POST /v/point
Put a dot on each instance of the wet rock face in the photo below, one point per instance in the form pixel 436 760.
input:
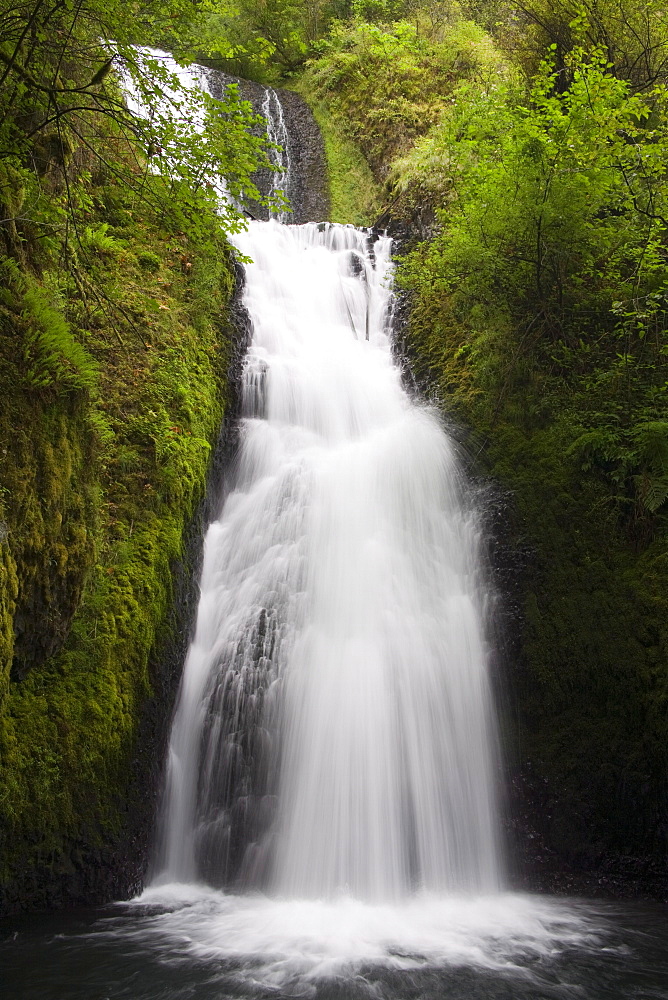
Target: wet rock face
pixel 309 195
pixel 308 189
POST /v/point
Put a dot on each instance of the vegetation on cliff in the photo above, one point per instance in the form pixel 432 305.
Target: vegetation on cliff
pixel 541 308
pixel 114 346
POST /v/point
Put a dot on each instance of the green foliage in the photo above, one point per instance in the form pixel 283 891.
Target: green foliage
pixel 51 356
pixel 148 261
pixel 355 196
pixel 651 440
pixel 554 226
pixel 258 40
pixel 99 239
pixel 387 85
pixel 556 203
pixel 225 147
pixel 633 34
pixel 64 118
pixel 378 11
pixel 588 685
pixel 638 454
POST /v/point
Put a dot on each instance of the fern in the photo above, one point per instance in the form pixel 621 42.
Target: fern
pixel 53 358
pixel 97 238
pixel 651 440
pixel 654 493
pixel 596 447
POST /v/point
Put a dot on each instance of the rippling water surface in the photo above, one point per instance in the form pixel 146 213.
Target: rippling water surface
pixel 183 941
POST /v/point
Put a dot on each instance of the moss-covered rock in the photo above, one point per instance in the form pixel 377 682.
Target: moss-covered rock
pixel 354 195
pixel 108 420
pixel 587 683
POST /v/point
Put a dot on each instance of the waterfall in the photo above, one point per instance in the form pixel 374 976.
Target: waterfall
pixel 333 731
pixel 333 745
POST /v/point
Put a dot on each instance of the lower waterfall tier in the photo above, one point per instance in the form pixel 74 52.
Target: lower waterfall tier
pixel 334 730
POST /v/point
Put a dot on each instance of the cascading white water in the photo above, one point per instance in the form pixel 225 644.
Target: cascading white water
pixel 333 728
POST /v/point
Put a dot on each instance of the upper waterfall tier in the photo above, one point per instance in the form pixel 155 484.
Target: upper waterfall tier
pixel 291 125
pixel 297 155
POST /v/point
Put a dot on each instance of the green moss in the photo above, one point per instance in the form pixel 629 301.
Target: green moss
pixel 355 196
pixel 103 479
pixel 374 92
pixel 590 685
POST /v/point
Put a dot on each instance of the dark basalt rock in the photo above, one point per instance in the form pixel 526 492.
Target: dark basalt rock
pixel 308 191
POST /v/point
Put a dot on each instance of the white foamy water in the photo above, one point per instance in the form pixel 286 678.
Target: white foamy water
pixel 292 946
pixel 333 732
pixel 187 78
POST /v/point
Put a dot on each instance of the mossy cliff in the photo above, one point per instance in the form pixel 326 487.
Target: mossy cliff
pixel 116 283
pixel 586 682
pixel 537 321
pixel 114 375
